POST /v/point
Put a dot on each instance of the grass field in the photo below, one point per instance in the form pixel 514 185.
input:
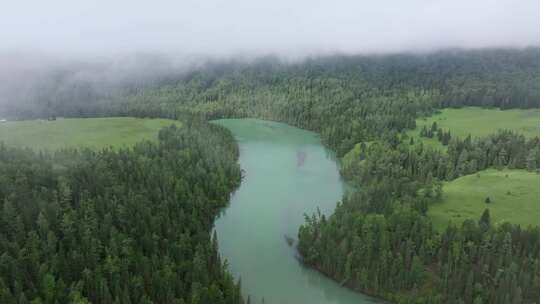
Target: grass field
pixel 514 195
pixel 81 132
pixel 480 122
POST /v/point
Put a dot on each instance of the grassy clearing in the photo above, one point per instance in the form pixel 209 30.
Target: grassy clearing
pixel 81 132
pixel 479 122
pixel 514 196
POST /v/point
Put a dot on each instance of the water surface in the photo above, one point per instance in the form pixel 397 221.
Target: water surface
pixel 287 173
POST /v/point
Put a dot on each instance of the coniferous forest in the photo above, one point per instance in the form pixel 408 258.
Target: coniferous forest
pixel 126 226
pixel 134 225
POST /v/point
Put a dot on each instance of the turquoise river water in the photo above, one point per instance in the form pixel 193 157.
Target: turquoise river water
pixel 288 173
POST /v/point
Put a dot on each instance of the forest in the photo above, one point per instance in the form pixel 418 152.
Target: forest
pixel 379 240
pixel 118 226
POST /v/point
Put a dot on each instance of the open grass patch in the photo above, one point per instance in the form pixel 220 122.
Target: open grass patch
pixel 511 195
pixel 81 132
pixel 479 122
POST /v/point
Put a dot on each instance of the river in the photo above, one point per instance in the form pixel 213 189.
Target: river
pixel 287 173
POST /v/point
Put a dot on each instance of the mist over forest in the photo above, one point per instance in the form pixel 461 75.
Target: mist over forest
pixel 38 86
pixel 93 51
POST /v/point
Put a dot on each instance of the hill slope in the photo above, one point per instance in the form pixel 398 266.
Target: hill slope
pixel 514 196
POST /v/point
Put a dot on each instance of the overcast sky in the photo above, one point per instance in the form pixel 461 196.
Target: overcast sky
pixel 287 27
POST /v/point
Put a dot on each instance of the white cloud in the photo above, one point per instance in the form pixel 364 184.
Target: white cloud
pixel 287 27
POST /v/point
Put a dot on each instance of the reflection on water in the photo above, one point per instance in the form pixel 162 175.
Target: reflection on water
pixel 287 173
pixel 300 158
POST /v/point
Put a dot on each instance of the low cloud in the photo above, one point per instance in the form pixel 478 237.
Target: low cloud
pixel 288 28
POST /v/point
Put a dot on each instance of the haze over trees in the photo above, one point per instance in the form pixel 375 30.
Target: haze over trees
pixel 367 93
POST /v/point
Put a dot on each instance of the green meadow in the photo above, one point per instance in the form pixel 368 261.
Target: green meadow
pixel 479 122
pixel 514 196
pixel 81 132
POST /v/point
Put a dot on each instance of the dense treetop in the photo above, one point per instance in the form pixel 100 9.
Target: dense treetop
pixel 126 226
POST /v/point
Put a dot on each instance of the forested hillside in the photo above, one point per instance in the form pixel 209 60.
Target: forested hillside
pixel 349 99
pixel 126 226
pixel 379 240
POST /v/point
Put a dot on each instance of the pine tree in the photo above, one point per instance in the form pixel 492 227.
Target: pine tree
pixel 434 127
pixel 532 160
pixel 417 271
pixel 485 219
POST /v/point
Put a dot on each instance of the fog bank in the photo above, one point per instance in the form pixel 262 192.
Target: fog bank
pixel 288 28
